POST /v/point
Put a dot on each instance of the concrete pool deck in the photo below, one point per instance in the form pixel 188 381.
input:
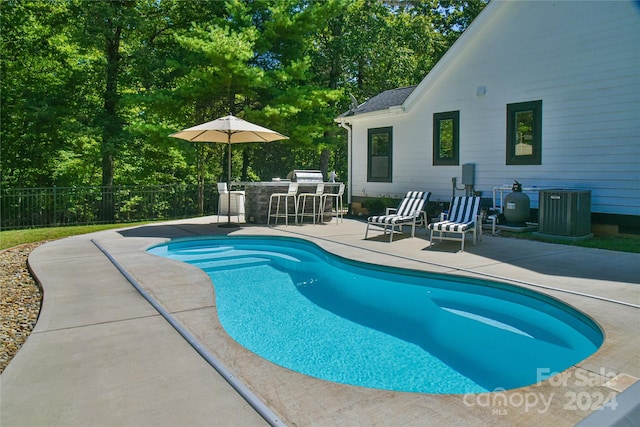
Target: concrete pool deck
pixel 100 354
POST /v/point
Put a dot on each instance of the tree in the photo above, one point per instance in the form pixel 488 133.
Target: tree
pixel 42 107
pixel 92 89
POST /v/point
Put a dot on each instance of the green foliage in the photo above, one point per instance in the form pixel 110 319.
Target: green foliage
pixel 92 89
pixel 379 205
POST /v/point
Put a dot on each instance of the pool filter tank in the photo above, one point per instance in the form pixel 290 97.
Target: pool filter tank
pixel 517 206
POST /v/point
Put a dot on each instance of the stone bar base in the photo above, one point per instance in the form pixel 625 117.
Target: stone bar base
pixel 257 200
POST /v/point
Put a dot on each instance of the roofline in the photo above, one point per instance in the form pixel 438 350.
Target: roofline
pixel 394 109
pixel 476 25
pixel 450 55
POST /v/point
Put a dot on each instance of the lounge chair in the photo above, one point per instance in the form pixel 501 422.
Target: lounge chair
pixel 461 219
pixel 410 212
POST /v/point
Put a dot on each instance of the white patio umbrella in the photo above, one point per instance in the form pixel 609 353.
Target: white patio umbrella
pixel 229 130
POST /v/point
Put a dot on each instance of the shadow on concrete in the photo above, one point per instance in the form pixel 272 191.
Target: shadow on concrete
pixel 172 231
pixel 551 258
pixel 385 237
pixel 541 257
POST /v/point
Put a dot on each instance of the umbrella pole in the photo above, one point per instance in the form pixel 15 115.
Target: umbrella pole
pixel 229 183
pixel 229 224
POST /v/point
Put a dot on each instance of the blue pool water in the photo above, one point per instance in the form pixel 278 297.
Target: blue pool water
pixel 302 308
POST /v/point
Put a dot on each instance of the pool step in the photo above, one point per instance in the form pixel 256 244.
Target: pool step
pixel 191 255
pixel 203 249
pixel 229 263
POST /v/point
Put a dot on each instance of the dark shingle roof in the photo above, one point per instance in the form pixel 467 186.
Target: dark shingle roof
pixel 382 101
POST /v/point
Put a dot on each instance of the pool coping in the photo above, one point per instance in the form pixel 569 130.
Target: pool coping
pixel 511 415
pixel 299 400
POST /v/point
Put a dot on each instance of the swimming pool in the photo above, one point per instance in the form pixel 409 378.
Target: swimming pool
pixel 305 309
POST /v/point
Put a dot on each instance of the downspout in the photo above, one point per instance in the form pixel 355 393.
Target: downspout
pixel 350 159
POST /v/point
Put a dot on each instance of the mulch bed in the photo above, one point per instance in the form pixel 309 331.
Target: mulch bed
pixel 20 301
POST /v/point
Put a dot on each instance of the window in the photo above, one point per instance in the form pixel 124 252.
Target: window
pixel 524 133
pixel 446 140
pixel 379 159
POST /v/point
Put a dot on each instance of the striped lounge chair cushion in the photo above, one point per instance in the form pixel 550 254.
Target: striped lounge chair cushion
pixel 409 208
pixel 461 217
pixel 390 219
pixel 451 226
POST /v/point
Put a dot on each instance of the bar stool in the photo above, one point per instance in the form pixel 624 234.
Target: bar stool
pixel 292 191
pixel 223 202
pixel 317 195
pixel 337 203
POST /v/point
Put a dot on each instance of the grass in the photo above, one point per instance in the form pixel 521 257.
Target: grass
pixel 620 243
pixel 11 238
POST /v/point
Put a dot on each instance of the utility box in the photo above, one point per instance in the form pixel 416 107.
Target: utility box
pixel 564 212
pixel 468 174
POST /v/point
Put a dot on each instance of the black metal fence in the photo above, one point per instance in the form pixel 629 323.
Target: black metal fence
pixel 58 206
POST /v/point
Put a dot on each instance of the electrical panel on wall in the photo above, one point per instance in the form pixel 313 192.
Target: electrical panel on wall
pixel 468 174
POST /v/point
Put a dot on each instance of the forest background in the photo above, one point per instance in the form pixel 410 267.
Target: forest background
pixel 90 89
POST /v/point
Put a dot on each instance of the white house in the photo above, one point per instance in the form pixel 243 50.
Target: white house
pixel 543 92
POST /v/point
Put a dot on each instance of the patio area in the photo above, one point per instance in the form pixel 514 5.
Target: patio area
pixel 102 355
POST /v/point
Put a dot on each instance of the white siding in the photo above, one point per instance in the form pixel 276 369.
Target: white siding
pixel 582 59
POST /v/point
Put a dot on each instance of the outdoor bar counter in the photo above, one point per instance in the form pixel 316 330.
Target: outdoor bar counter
pixel 257 196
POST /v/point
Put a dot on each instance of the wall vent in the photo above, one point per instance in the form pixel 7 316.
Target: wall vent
pixel 565 212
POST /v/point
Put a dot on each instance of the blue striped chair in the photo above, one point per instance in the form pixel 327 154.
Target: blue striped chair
pixel 461 219
pixel 410 212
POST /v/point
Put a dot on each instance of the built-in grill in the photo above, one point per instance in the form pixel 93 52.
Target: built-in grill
pixel 306 176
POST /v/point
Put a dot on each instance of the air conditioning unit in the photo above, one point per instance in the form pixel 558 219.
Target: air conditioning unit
pixel 564 212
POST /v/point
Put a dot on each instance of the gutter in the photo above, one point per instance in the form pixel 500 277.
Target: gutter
pixel 394 109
